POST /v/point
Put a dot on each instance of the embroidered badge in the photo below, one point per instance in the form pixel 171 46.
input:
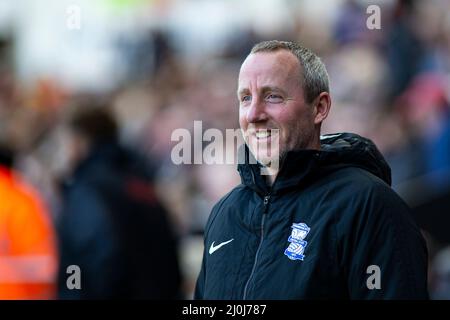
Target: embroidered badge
pixel 297 244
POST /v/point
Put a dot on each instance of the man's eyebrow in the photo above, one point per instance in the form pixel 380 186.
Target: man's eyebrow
pixel 272 88
pixel 242 91
pixel 263 90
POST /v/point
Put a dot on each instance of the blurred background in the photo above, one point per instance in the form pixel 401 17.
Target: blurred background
pixel 154 66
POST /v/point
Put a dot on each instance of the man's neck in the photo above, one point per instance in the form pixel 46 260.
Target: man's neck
pixel 272 175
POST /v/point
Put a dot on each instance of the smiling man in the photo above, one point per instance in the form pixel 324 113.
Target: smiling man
pixel 272 97
pixel 325 222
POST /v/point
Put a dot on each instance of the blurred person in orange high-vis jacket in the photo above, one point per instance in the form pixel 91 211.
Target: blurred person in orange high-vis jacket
pixel 27 241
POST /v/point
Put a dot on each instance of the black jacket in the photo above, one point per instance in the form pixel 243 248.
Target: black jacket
pixel 329 220
pixel 114 228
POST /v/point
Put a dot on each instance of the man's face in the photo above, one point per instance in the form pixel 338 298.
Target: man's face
pixel 271 97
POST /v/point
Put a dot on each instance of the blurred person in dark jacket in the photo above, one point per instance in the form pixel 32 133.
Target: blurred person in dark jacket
pixel 113 226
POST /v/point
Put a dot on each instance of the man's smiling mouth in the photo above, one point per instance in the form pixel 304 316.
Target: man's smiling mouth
pixel 265 134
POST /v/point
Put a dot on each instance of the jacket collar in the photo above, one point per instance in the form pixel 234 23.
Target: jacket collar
pixel 295 169
pixel 338 150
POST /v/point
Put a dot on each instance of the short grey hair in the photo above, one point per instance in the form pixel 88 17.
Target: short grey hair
pixel 314 74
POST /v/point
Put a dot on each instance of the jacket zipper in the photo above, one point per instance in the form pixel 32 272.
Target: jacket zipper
pixel 266 205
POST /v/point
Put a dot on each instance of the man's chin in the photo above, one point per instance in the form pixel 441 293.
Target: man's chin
pixel 267 160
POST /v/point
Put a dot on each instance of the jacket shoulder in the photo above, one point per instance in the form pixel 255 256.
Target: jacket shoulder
pixel 356 183
pixel 365 195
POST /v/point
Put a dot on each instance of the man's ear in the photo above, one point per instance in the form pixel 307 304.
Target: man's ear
pixel 322 105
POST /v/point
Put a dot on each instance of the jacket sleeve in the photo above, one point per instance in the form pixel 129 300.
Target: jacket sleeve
pixel 384 255
pixel 201 280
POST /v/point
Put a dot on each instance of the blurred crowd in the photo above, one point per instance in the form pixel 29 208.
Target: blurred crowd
pixel 391 85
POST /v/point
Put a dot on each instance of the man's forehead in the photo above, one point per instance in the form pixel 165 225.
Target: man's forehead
pixel 281 64
pixel 282 59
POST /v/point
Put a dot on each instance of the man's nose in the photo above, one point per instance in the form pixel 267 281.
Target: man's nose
pixel 256 111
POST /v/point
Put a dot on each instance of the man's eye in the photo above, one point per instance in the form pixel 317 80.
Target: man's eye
pixel 246 99
pixel 274 98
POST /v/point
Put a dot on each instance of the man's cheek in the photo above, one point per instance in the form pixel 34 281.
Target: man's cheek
pixel 244 127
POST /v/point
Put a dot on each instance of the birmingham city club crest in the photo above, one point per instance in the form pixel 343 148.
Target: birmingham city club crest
pixel 297 243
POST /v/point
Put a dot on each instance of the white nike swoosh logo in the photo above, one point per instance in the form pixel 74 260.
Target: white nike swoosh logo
pixel 213 249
